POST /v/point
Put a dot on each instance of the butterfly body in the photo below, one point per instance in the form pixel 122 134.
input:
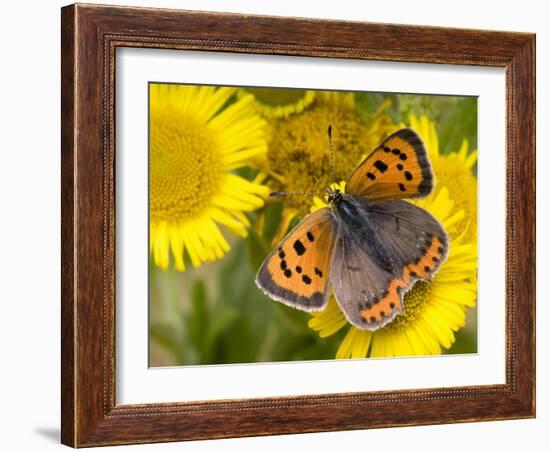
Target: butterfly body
pixel 369 244
pixel 352 220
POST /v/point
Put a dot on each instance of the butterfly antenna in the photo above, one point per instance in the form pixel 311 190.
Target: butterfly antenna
pixel 333 170
pixel 290 193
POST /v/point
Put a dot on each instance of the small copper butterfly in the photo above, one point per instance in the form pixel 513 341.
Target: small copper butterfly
pixel 369 242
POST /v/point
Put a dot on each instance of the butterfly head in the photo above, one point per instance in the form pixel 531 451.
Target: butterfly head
pixel 334 196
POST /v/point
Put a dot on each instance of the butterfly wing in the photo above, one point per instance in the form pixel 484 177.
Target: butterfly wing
pixel 369 293
pixel 296 272
pixel 398 168
pixel 358 280
pixel 412 237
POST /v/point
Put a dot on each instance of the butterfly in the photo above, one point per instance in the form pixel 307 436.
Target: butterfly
pixel 369 243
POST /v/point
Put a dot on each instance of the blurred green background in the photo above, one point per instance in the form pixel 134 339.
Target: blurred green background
pixel 216 315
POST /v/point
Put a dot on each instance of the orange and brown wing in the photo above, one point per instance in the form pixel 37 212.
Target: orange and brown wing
pixel 377 314
pixel 398 168
pixel 296 272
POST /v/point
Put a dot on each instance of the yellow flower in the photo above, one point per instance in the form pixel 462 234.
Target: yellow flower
pixel 455 169
pixel 434 310
pixel 279 103
pixel 197 140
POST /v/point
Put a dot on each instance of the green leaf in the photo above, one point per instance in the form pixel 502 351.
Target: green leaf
pixel 273 213
pixel 458 123
pixel 198 316
pixel 257 249
pixel 367 105
pixel 221 319
pixel 296 319
pixel 166 335
pixel 246 172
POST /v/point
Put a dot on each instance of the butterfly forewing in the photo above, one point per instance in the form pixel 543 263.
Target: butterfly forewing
pixel 297 270
pixel 398 168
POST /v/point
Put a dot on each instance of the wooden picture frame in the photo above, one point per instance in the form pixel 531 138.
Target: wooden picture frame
pixel 90 36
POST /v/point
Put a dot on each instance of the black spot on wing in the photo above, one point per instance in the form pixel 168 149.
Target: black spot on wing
pixel 299 247
pixel 380 166
pixel 411 137
pixel 265 281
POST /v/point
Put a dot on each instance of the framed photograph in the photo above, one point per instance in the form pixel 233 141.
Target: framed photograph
pixel 281 225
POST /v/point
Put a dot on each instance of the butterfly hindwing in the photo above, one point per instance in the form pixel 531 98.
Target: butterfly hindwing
pixel 414 241
pixel 379 253
pixel 407 232
pixel 359 281
pixel 398 168
pixel 297 270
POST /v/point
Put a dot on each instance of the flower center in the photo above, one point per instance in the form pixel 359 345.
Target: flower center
pixel 413 301
pixel 275 97
pixel 185 166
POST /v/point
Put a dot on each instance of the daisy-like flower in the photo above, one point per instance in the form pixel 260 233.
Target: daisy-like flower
pixel 197 139
pixel 279 103
pixel 299 158
pixel 456 169
pixel 433 310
